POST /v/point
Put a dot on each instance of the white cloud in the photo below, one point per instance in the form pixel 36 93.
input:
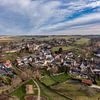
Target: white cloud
pixel 39 13
pixel 86 30
pixel 80 20
pixel 94 4
pixel 93 29
pixel 9 30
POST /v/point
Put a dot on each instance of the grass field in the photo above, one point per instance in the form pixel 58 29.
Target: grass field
pixel 50 94
pixel 21 92
pixel 82 41
pixel 19 38
pixel 47 80
pixel 50 80
pixel 7 39
pixel 54 37
pixel 96 97
pixel 63 47
pixel 73 90
pixel 10 56
pixel 61 78
pixel 98 82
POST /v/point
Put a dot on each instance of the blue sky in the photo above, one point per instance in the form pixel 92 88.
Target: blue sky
pixel 48 17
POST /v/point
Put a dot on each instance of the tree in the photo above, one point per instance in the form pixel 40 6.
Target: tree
pixel 4 97
pixel 90 91
pixel 60 50
pixel 29 72
pixel 24 76
pixel 14 98
pixel 67 69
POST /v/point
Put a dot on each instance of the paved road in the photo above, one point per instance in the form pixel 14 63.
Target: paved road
pixel 35 84
pixel 38 89
pixel 95 86
pixel 12 90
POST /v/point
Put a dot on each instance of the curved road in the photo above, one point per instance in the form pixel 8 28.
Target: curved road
pixel 35 84
pixel 38 89
pixel 95 86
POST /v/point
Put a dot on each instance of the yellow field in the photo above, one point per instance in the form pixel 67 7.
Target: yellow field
pixel 97 97
pixel 82 41
pixel 6 39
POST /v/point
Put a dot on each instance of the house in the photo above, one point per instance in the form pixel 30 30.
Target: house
pixel 76 64
pixel 19 62
pixel 36 47
pixel 67 63
pixel 97 53
pixel 83 67
pixel 37 74
pixel 5 70
pixel 87 82
pixel 54 69
pixel 7 64
pixel 25 60
pixel 31 97
pixel 58 57
pixel 5 73
pixel 45 63
pixel 98 44
pixel 30 59
pixel 70 54
pixel 12 51
pixel 49 56
pixel 29 89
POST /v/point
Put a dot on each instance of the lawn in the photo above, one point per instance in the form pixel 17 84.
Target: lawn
pixel 47 38
pixel 50 94
pixel 69 89
pixel 63 47
pixel 10 56
pixel 20 92
pixel 44 72
pixel 47 80
pixel 61 78
pixel 73 90
pixel 98 82
pixel 50 80
pixel 82 41
pixel 96 97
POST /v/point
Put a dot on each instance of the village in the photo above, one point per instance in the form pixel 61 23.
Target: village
pixel 31 67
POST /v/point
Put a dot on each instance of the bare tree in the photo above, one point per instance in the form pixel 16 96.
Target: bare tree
pixel 24 76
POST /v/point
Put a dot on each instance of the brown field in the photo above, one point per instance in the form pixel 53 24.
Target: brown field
pixel 5 39
pixel 97 97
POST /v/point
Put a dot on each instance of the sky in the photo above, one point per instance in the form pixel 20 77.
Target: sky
pixel 49 17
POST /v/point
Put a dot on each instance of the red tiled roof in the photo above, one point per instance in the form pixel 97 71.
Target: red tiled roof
pixel 89 82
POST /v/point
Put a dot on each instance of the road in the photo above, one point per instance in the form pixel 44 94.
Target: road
pixel 39 92
pixel 15 88
pixel 95 86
